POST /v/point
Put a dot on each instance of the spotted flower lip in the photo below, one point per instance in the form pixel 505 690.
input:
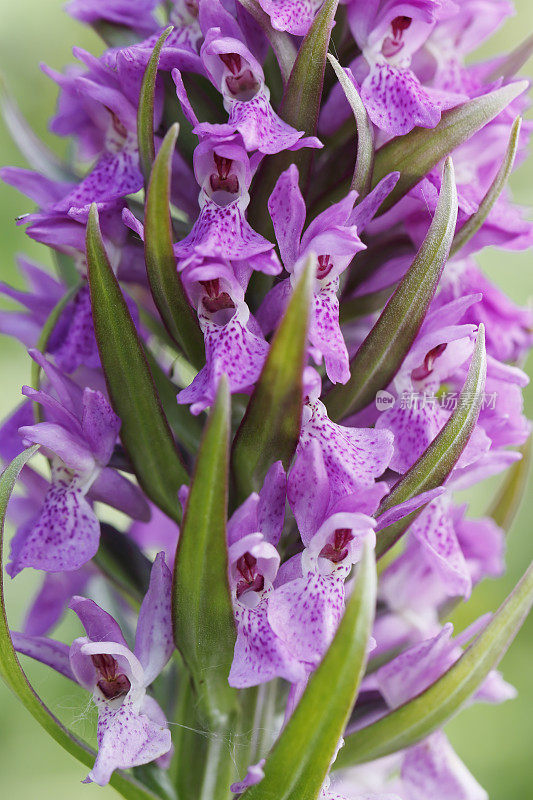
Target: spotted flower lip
pixel 246 199
pixel 132 728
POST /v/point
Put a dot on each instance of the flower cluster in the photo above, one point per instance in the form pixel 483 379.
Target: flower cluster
pixel 263 209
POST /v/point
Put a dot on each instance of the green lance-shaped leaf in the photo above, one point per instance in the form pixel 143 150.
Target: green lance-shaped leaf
pixel 145 112
pixel 415 154
pixel 145 433
pixel 431 709
pixel 508 500
pixel 165 283
pixel 14 676
pixel 507 67
pixel 271 425
pixel 37 154
pixel 282 44
pixel 437 461
pixel 381 354
pixel 204 629
pixel 362 177
pixel 123 563
pixel 298 763
pixel 472 225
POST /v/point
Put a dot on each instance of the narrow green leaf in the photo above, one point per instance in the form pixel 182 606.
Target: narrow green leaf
pixel 381 354
pixel 364 304
pixel 165 283
pixel 515 60
pixel 14 676
pixel 36 153
pixel 509 498
pixel 299 761
pixel 431 709
pixel 204 629
pixel 145 433
pixel 145 112
pixel 124 563
pixel 472 225
pixel 437 461
pixel 187 428
pixel 282 43
pixel 271 425
pixel 364 165
pixel 415 154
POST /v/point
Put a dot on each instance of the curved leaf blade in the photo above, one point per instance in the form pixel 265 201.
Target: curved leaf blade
pixel 165 282
pixel 300 759
pixel 436 463
pixel 415 154
pixel 270 428
pixel 145 433
pixel 472 225
pixel 508 501
pixel 381 354
pixel 14 675
pixel 36 153
pixel 364 164
pixel 145 111
pixel 204 628
pixel 431 709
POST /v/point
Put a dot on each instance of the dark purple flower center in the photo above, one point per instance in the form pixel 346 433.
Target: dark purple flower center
pixel 325 265
pixel 426 369
pixel 222 180
pixel 337 550
pixel 242 83
pixel 250 578
pixel 393 44
pixel 112 684
pixel 216 300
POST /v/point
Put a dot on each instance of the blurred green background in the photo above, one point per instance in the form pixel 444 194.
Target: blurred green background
pixel 496 742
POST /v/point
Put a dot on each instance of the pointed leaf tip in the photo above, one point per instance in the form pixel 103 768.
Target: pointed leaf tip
pixel 145 112
pixel 165 283
pixel 145 433
pixel 381 355
pixel 271 426
pixel 362 177
pixel 417 153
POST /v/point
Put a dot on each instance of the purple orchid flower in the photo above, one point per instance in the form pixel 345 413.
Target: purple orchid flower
pixel 117 12
pixel 389 33
pixel 234 344
pixel 253 533
pixel 509 328
pixel 79 434
pixel 333 238
pixel 353 457
pixel 293 16
pixel 239 77
pixel 224 173
pixel 132 728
